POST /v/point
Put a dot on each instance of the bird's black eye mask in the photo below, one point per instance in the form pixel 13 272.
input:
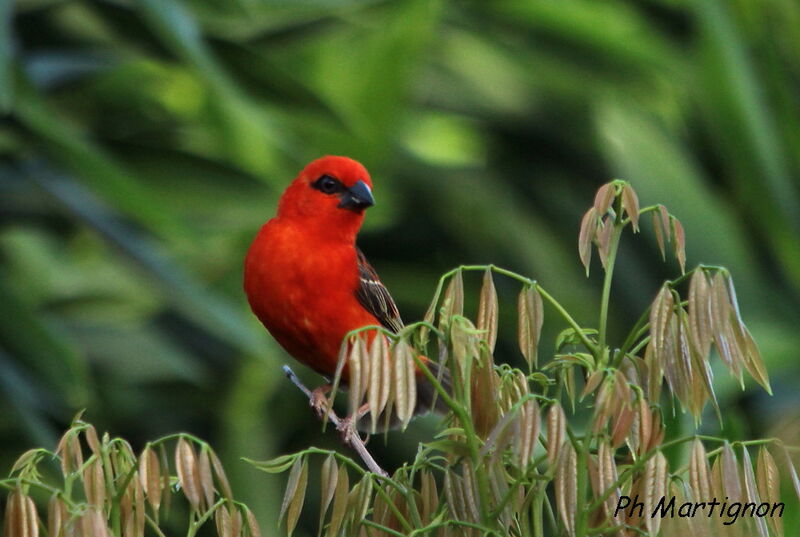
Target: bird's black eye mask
pixel 328 185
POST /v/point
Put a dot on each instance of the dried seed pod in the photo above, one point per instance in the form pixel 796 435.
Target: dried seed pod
pixel 586 236
pixel 339 502
pixel 429 496
pixel 20 516
pixel 607 476
pixel 328 481
pixel 556 433
pixel 222 479
pixel 699 472
pixel 380 379
pixel 566 483
pixel 603 240
pixel 658 229
pixel 680 244
pixel 487 310
pixel 630 204
pixel 205 477
pixel 720 322
pixel 470 492
pixel 645 420
pixel 453 300
pixel 295 494
pixel 57 517
pixel 529 420
pixel 751 491
pixel 149 475
pixel 592 382
pixel 186 465
pixel 90 434
pixel 661 313
pixel 530 316
pixel 731 480
pixel 405 382
pixel 94 483
pixel 769 485
pixel 69 449
pixel 222 519
pixel 252 524
pixel 603 198
pixel 94 523
pixel 355 360
pixel 655 487
pixel 483 397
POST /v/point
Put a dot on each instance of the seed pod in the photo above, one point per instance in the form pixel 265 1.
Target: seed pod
pixel 328 480
pixel 731 480
pixel 699 472
pixel 607 476
pixel 295 493
pixel 57 517
pixel 380 378
pixel 603 198
pixel 556 433
pixel 680 244
pixel 339 502
pixel 769 485
pixel 405 382
pixel 222 479
pixel 530 316
pixel 751 491
pixel 566 482
pixel 586 236
pixel 186 465
pixel 655 487
pixel 252 524
pixel 205 477
pixel 94 483
pixel 630 203
pixel 150 477
pixel 453 300
pixel 487 310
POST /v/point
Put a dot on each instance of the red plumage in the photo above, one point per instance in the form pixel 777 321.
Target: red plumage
pixel 305 278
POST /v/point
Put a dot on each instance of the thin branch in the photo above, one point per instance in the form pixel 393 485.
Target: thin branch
pixel 351 437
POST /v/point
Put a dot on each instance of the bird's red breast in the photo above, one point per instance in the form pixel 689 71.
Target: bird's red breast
pixel 303 275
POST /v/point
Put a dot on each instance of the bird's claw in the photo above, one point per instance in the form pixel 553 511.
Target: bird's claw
pixel 319 400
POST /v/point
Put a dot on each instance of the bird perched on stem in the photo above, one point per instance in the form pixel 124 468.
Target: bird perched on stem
pixel 306 279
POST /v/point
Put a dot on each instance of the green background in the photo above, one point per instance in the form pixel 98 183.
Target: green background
pixel 144 142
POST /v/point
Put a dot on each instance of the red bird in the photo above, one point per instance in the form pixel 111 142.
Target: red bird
pixel 306 279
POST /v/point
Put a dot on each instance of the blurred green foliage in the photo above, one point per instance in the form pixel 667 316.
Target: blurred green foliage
pixel 145 141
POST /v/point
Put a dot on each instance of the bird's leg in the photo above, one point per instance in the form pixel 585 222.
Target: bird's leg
pixel 319 399
pixel 351 438
pixel 347 425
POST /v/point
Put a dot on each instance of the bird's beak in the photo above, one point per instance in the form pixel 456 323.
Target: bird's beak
pixel 357 197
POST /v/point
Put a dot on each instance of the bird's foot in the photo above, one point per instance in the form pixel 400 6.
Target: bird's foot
pixel 319 400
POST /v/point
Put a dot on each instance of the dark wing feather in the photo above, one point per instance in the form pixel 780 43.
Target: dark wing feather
pixel 374 296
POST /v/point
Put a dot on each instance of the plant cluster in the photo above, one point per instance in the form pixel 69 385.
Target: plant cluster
pixel 100 488
pixel 554 450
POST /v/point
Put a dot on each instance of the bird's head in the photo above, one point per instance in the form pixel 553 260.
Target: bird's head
pixel 330 191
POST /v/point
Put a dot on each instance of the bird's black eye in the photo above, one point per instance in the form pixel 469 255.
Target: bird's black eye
pixel 328 185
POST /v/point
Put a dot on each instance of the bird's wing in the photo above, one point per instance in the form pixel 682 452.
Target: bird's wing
pixel 374 296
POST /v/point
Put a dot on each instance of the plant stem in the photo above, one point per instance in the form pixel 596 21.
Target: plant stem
pixel 471 438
